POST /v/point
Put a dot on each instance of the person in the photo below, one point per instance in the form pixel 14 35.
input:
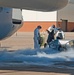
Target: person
pixel 52 28
pixel 51 32
pixel 60 34
pixel 37 37
pixel 50 36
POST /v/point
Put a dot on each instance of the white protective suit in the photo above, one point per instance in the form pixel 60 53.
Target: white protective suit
pixel 63 35
pixel 51 28
pixel 36 38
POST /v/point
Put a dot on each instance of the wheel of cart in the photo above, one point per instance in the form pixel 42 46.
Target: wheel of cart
pixel 69 45
pixel 55 45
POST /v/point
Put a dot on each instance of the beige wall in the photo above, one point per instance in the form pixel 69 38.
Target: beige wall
pixel 29 15
pixel 66 13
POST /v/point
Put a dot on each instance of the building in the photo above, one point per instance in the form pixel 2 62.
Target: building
pixel 63 18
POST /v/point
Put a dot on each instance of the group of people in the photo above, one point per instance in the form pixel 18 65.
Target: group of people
pixel 54 33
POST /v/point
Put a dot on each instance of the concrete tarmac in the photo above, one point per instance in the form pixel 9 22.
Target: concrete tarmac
pixel 18 41
pixel 25 40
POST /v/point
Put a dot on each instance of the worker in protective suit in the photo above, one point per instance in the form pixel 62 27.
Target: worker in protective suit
pixel 51 28
pixel 37 37
pixel 51 32
pixel 50 36
pixel 60 34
